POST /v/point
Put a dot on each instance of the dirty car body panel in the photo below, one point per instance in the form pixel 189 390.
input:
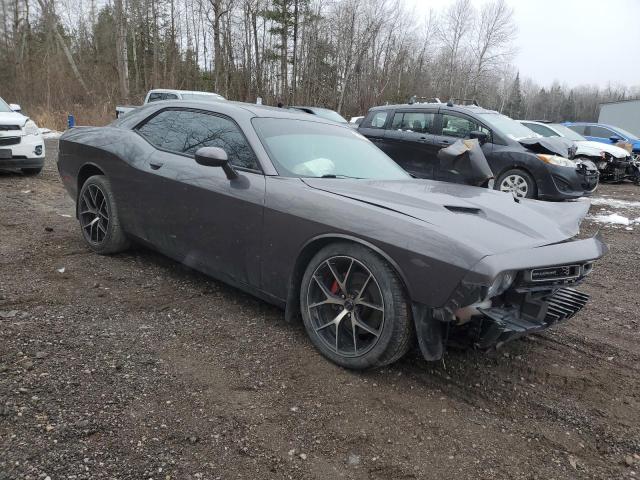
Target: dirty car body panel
pixel 448 243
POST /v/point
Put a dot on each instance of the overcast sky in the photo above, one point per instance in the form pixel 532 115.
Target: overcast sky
pixel 573 41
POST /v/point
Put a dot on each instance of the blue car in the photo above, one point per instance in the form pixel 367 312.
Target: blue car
pixel 599 132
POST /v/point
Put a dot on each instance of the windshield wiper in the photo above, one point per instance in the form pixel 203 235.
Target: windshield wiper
pixel 331 175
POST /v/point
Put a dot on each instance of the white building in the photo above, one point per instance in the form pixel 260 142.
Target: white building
pixel 624 114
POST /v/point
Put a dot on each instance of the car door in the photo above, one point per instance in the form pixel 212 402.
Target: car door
pixel 451 127
pixel 410 142
pixel 200 216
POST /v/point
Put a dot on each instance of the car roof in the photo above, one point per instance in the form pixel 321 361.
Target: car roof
pixel 195 92
pixel 232 109
pixel 612 127
pixel 468 109
pixel 538 122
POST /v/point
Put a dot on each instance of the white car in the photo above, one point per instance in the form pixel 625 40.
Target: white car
pixel 21 144
pixel 614 163
pixel 159 94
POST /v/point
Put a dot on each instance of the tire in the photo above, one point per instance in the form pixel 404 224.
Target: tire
pixel 98 216
pixel 516 179
pixel 368 302
pixel 31 171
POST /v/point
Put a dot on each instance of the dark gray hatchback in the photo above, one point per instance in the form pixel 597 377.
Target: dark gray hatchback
pixel 412 134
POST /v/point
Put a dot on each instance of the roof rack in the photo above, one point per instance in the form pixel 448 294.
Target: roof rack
pixel 463 101
pixel 450 103
pixel 415 99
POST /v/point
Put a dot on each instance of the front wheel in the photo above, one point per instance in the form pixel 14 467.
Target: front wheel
pixel 518 182
pixel 354 307
pixel 98 216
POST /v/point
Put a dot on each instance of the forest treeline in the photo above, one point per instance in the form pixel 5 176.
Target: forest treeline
pixel 84 56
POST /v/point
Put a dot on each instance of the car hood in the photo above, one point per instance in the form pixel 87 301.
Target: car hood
pixel 548 145
pixel 594 148
pixel 12 118
pixel 490 221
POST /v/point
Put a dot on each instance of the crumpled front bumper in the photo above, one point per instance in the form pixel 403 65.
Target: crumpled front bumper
pixel 530 304
pixel 536 313
pixel 566 183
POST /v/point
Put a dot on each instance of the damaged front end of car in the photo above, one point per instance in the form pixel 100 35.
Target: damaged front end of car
pixel 615 170
pixel 508 296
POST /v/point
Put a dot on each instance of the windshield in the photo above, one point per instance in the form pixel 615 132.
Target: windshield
pixel 567 132
pixel 201 96
pixel 331 115
pixel 628 135
pixel 300 148
pixel 4 107
pixel 507 126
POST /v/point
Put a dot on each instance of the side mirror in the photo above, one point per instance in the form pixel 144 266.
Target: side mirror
pixel 482 137
pixel 615 138
pixel 15 107
pixel 215 157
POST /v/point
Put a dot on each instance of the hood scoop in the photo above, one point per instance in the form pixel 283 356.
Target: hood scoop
pixel 459 209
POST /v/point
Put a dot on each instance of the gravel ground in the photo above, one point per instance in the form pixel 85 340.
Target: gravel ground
pixel 135 367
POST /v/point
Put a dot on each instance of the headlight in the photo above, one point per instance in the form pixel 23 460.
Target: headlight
pixel 30 128
pixel 589 165
pixel 556 160
pixel 500 284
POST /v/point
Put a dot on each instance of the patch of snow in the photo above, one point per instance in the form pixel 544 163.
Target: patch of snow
pixel 614 203
pixel 612 219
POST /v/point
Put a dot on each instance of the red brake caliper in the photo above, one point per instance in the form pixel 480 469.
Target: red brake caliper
pixel 334 287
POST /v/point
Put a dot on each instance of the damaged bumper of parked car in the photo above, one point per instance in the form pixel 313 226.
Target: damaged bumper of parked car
pixel 510 295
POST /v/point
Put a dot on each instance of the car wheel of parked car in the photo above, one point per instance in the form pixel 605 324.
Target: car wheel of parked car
pixel 518 182
pixel 31 171
pixel 354 307
pixel 98 217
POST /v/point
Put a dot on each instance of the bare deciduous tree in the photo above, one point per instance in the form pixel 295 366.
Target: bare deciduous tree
pixel 84 55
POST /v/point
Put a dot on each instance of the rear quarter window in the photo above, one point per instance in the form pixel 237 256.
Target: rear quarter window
pixel 577 128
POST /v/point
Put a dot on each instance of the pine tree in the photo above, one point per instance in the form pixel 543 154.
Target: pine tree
pixel 514 104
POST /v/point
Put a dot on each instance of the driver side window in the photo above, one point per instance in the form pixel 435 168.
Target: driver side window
pixel 460 127
pixel 600 132
pixel 185 131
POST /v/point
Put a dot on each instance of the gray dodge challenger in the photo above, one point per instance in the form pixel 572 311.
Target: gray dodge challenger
pixel 312 217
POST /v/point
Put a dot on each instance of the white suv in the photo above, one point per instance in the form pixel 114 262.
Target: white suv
pixel 21 144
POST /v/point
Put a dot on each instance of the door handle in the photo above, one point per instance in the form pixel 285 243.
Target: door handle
pixel 445 142
pixel 155 165
pixel 422 139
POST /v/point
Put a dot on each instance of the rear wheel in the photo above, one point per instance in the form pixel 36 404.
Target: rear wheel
pixel 518 182
pixel 354 307
pixel 98 216
pixel 31 171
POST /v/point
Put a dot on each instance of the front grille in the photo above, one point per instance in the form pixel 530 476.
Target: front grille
pixel 4 141
pixel 554 276
pixel 555 273
pixel 7 128
pixel 564 304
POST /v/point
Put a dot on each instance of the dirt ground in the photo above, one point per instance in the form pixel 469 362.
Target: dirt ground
pixel 135 367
